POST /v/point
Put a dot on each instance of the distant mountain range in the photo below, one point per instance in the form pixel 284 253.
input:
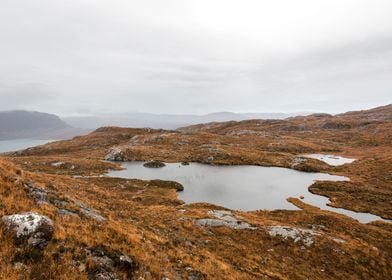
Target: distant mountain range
pixel 35 125
pixel 167 121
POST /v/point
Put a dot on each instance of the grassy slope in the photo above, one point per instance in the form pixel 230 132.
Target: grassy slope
pixel 145 221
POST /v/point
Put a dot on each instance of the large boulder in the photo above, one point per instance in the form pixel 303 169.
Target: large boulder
pixel 115 154
pixel 30 229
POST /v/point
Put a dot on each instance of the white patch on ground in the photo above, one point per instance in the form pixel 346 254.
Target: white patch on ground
pixel 58 164
pixel 306 236
pixel 331 159
pixel 26 223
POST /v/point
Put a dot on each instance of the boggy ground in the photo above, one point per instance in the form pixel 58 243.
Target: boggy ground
pixel 145 221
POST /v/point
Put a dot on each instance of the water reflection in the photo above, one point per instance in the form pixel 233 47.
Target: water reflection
pixel 240 187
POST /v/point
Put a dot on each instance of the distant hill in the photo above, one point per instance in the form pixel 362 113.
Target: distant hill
pixel 167 121
pixel 375 121
pixel 35 125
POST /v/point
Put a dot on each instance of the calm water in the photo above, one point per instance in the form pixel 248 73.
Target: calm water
pixel 240 187
pixel 331 159
pixel 19 144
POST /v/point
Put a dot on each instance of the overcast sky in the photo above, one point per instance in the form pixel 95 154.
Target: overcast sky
pixel 179 56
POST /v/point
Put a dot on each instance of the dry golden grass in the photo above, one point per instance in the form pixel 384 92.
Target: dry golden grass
pixel 144 221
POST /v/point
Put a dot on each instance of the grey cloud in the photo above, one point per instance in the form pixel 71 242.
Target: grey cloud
pixel 72 57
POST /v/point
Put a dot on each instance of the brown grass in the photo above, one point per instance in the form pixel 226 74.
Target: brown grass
pixel 144 221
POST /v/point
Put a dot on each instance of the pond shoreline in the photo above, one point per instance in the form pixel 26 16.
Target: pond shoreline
pixel 310 198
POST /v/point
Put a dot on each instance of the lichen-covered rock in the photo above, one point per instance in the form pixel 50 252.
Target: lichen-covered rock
pixel 306 236
pixel 115 154
pixel 223 218
pixel 31 229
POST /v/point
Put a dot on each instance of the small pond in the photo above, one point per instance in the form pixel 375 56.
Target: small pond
pixel 240 187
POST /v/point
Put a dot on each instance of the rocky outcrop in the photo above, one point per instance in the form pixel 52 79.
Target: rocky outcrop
pixel 154 164
pixel 223 218
pixel 40 195
pixel 305 236
pixel 30 229
pixel 92 213
pixel 115 154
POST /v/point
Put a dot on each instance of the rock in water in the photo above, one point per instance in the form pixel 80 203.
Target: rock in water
pixel 115 154
pixel 31 229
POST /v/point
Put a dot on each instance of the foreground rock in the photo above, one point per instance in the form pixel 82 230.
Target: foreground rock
pixel 30 228
pixel 154 164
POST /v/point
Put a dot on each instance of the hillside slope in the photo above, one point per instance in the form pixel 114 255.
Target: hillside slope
pixel 111 228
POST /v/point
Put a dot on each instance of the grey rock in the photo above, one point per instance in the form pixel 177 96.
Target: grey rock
pixel 223 218
pixel 115 154
pixel 59 203
pixel 65 212
pixel 92 213
pixel 305 236
pixel 40 195
pixel 31 229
